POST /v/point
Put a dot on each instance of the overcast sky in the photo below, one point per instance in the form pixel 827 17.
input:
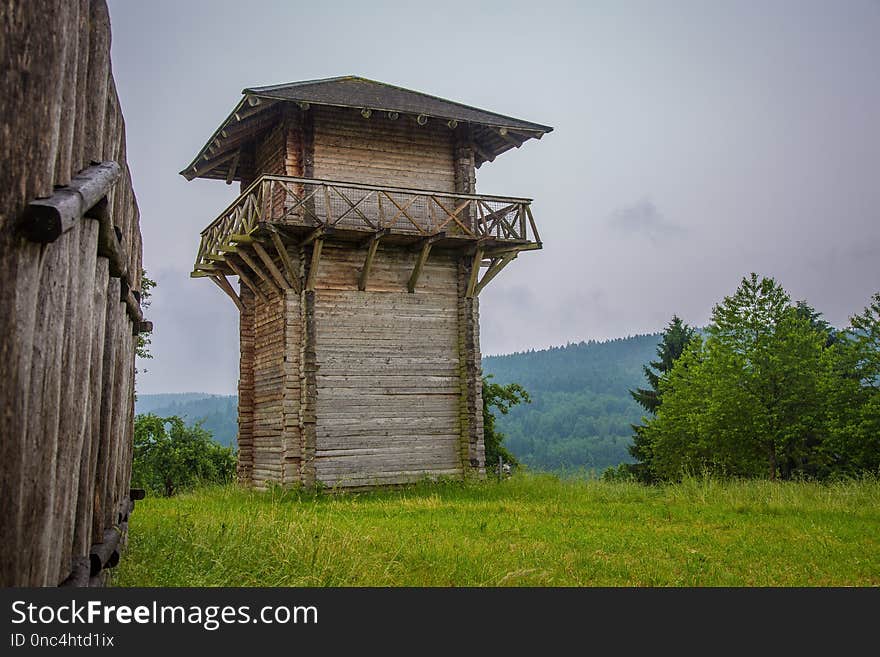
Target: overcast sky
pixel 694 142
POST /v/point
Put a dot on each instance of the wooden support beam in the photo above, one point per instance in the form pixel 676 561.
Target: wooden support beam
pixel 250 262
pixel 421 260
pixel 475 272
pixel 372 245
pixel 195 172
pixel 246 279
pixel 317 245
pixel 479 151
pixel 282 282
pixel 223 283
pixel 240 238
pixel 319 233
pixel 230 175
pixel 504 134
pixel 524 134
pixel 242 114
pixel 379 234
pixel 208 267
pixel 109 245
pixel 429 239
pixel 45 219
pixel 495 251
pixel 281 249
pixel 494 270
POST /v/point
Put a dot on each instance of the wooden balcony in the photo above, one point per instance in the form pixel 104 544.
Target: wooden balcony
pixel 297 209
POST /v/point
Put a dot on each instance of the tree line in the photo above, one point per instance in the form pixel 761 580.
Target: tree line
pixel 768 389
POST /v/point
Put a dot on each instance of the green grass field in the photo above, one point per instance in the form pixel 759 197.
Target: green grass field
pixel 531 530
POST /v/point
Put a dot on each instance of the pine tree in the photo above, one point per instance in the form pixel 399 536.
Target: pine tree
pixel 675 339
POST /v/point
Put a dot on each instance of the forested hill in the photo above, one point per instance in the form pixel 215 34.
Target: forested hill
pixel 217 413
pixel 579 417
pixel 581 410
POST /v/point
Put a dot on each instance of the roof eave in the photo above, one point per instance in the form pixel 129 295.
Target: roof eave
pixel 196 169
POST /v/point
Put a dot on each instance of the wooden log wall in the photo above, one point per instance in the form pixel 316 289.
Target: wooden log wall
pixel 470 372
pixel 388 383
pixel 356 388
pixel 269 412
pixel 268 375
pixel 379 151
pixel 246 386
pixel 67 335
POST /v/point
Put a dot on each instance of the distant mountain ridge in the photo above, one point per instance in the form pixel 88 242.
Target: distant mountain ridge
pixel 581 411
pixel 580 415
pixel 217 413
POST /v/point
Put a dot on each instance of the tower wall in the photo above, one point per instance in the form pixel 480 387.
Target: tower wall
pixel 358 388
pixel 387 378
pixel 379 151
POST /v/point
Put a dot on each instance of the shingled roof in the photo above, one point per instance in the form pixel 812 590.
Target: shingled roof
pixel 492 133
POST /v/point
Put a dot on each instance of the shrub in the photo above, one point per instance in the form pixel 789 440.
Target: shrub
pixel 170 456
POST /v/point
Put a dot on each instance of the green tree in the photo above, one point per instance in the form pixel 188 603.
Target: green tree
pixel 675 339
pixel 852 394
pixel 501 398
pixel 749 398
pixel 142 349
pixel 170 456
pixel 806 311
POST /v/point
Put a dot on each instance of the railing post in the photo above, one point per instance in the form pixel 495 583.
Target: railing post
pixel 328 215
pixel 266 191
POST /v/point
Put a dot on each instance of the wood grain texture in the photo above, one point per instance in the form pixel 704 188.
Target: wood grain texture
pixel 65 336
pixel 371 407
pixel 382 152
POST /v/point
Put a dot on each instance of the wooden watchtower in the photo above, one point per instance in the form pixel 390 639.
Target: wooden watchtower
pixel 360 245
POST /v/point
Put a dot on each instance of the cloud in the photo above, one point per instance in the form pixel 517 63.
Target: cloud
pixel 643 218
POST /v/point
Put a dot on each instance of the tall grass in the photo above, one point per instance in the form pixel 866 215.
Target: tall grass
pixel 527 531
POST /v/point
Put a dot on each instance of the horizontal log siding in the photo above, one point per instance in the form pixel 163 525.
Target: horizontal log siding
pixel 291 436
pixel 378 151
pixel 67 342
pixel 270 155
pixel 388 370
pixel 246 387
pixel 268 377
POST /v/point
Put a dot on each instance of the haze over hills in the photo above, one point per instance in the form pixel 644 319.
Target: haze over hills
pixel 217 413
pixel 580 414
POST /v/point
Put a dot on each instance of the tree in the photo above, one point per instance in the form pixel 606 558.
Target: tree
pixel 749 398
pixel 852 394
pixel 676 336
pixel 142 349
pixel 806 311
pixel 502 398
pixel 170 456
pixel 772 353
pixel 675 339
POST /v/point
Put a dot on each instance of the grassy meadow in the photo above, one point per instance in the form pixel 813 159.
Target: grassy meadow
pixel 530 530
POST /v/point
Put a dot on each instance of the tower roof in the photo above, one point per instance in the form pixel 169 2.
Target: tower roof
pixel 492 133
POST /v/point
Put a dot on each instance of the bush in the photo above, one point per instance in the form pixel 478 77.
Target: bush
pixel 170 456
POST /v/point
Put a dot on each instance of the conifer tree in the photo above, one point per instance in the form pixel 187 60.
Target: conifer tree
pixel 675 339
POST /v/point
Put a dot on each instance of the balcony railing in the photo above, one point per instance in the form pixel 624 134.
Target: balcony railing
pixel 311 202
